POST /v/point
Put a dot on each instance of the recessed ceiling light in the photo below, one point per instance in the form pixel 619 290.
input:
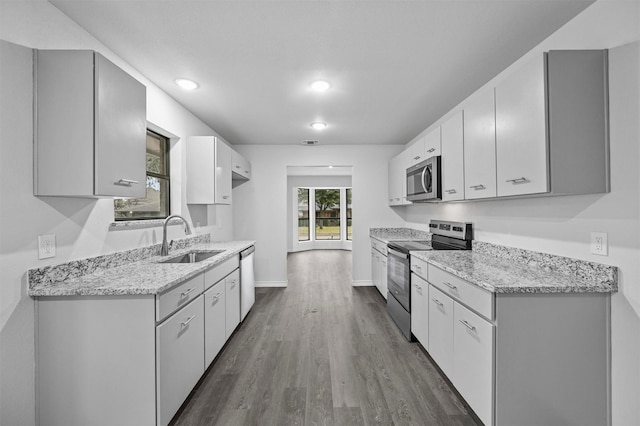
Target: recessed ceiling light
pixel 318 125
pixel 320 86
pixel 186 84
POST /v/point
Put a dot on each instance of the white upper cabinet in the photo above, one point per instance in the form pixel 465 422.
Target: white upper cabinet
pixel 432 143
pixel 397 179
pixel 417 152
pixel 240 167
pixel 480 146
pixel 551 125
pixel 521 136
pixel 90 127
pixel 208 170
pixel 453 158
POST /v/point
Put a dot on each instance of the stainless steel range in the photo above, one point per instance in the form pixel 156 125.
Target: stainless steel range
pixel 446 236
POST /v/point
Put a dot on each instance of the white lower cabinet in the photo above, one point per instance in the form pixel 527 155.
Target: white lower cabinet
pixel 214 321
pixel 232 302
pixel 131 359
pixel 179 358
pixel 473 342
pixel 420 310
pixel 379 266
pixel 441 330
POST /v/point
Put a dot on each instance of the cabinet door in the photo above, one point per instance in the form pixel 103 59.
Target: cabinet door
pixel 473 339
pixel 120 132
pixel 383 276
pixel 375 270
pixel 521 135
pixel 180 358
pixel 208 171
pixel 432 143
pixel 417 152
pixel 214 321
pixel 395 181
pixel 480 146
pixel 420 310
pixel 441 330
pixel 223 173
pixel 453 158
pixel 232 303
pixel 240 165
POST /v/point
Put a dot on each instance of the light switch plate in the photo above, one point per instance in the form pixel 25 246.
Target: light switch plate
pixel 599 243
pixel 46 246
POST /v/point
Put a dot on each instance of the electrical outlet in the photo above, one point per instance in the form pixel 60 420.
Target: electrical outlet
pixel 599 243
pixel 46 246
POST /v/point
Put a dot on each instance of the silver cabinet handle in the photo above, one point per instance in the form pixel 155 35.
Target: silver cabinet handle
pixel 126 182
pixel 431 150
pixel 437 302
pixel 518 180
pixel 476 187
pixel 450 191
pixel 225 197
pixel 186 292
pixel 451 286
pixel 232 285
pixel 216 296
pixel 246 171
pixel 418 268
pixel 466 324
pixel 237 167
pixel 186 323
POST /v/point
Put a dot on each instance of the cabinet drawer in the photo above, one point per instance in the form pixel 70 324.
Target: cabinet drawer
pixel 419 267
pixel 379 245
pixel 479 300
pixel 220 271
pixel 172 300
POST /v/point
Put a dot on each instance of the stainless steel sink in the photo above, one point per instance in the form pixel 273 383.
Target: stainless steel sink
pixel 194 256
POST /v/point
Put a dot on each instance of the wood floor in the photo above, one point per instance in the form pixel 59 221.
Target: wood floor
pixel 321 352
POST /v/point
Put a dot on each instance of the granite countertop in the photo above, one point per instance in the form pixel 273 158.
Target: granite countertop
pixel 504 274
pixel 146 276
pixel 386 235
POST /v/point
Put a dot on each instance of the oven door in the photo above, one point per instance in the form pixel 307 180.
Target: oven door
pixel 398 277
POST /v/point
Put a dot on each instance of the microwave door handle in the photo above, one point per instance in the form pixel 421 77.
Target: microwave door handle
pixel 424 171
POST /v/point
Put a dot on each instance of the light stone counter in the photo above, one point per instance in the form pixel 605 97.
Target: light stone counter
pixel 502 269
pixel 133 272
pixel 386 235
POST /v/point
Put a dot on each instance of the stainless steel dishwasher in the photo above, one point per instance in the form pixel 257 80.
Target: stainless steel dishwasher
pixel 247 281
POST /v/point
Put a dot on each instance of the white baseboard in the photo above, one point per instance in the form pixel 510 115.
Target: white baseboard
pixel 271 283
pixel 362 283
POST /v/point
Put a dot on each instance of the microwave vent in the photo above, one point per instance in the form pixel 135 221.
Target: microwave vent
pixel 309 142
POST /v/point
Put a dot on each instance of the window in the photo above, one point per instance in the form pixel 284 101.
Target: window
pixel 303 214
pixel 156 205
pixel 349 230
pixel 329 209
pixel 327 214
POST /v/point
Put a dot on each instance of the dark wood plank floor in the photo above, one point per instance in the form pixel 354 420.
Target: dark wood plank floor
pixel 321 352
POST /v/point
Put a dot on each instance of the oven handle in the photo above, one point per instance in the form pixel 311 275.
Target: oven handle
pixel 398 253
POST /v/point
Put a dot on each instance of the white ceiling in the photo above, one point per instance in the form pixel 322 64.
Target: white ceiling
pixel 395 66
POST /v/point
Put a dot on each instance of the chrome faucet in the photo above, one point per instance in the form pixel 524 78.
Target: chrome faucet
pixel 164 251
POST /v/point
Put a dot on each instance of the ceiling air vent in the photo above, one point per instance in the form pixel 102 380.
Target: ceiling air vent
pixel 309 142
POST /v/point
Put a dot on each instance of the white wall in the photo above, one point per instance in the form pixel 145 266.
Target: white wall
pixel 260 205
pixel 562 225
pixel 81 225
pixel 295 182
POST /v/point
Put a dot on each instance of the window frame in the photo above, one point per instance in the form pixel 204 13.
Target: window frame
pixel 167 177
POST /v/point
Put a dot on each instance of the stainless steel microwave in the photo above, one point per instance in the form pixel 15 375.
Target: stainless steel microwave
pixel 424 180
